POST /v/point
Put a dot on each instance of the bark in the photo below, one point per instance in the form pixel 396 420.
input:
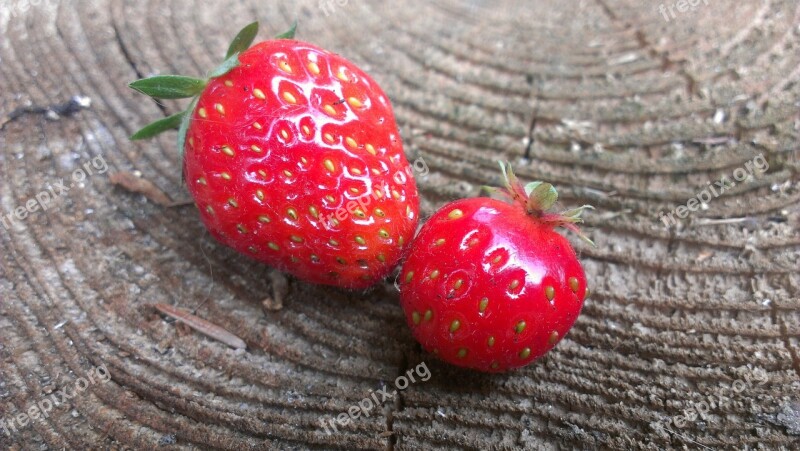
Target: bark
pixel 617 104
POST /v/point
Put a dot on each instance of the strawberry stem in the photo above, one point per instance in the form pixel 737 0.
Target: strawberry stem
pixel 536 198
pixel 180 87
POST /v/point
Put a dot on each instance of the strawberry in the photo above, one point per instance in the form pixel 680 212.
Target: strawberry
pixel 489 284
pixel 293 157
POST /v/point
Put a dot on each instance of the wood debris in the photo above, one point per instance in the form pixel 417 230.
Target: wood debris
pixel 205 327
pixel 136 184
pixel 280 289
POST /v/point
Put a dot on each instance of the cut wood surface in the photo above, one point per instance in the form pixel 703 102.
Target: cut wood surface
pixel 619 104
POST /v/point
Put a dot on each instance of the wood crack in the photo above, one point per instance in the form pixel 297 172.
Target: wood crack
pixel 132 63
pixel 51 112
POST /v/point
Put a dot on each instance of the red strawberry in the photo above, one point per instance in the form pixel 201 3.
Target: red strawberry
pixel 490 285
pixel 293 157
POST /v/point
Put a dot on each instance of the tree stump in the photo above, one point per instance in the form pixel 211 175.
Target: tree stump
pixel 689 339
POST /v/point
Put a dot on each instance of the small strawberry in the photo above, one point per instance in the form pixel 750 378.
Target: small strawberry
pixel 293 157
pixel 490 285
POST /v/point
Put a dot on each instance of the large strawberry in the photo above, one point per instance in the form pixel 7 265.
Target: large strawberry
pixel 293 157
pixel 491 285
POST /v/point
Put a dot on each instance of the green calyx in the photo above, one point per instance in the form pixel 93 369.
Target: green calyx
pixel 182 87
pixel 537 198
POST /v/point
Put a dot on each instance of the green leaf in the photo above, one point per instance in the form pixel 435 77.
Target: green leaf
pixel 531 186
pixel 509 178
pixel 161 125
pixel 288 34
pixel 184 127
pixel 243 40
pixel 169 86
pixel 226 66
pixel 542 196
pixel 574 215
pixel 488 191
pixel 503 169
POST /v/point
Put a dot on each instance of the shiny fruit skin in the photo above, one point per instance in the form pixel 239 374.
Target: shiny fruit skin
pixel 475 285
pixel 294 158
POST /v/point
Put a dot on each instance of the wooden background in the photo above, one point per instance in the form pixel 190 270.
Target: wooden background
pixel 614 104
